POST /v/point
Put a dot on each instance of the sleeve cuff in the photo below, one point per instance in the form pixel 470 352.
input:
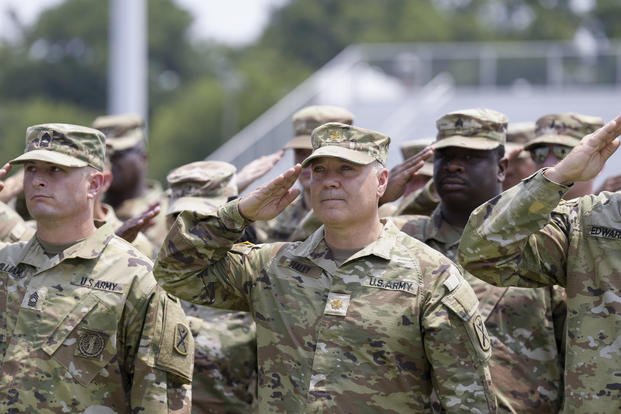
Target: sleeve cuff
pixel 231 217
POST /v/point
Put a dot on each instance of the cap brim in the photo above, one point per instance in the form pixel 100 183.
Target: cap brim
pixel 196 204
pixel 52 157
pixel 350 155
pixel 553 139
pixel 299 142
pixel 466 142
pixel 123 143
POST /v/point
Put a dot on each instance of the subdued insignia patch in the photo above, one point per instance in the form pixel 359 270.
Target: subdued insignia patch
pixel 34 298
pixel 98 284
pixel 482 335
pixel 90 344
pixel 605 232
pixel 334 136
pixel 337 304
pixel 181 339
pixel 300 267
pixel 402 285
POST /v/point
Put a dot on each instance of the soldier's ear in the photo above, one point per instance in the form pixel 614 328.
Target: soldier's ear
pixel 502 168
pixel 96 184
pixel 382 178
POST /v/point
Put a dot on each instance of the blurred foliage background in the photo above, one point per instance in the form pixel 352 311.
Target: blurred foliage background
pixel 201 93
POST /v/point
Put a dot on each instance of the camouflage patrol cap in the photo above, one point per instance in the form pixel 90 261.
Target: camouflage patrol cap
pixel 411 148
pixel 310 117
pixel 358 145
pixel 564 129
pixel 518 135
pixel 122 131
pixel 201 186
pixel 481 129
pixel 64 144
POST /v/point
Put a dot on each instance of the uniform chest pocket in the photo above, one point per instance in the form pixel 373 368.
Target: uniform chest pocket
pixel 85 340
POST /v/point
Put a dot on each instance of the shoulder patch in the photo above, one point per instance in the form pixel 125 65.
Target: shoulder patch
pixel 176 348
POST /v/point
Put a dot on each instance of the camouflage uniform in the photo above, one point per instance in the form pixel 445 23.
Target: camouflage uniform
pixel 283 227
pixel 423 200
pixel 528 237
pixel 87 329
pixel 225 360
pixel 141 242
pixel 225 357
pixel 377 332
pixel 12 227
pixel 122 133
pixel 526 326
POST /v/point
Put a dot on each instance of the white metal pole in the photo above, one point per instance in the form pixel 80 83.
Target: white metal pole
pixel 127 70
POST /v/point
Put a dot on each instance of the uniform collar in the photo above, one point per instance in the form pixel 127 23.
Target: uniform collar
pixel 440 230
pixel 89 248
pixel 315 246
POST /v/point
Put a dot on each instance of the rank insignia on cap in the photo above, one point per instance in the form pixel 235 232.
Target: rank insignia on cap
pixel 90 344
pixel 482 334
pixel 335 136
pixel 459 123
pixel 181 339
pixel 337 304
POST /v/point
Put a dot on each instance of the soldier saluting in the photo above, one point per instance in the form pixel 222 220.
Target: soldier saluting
pixel 359 317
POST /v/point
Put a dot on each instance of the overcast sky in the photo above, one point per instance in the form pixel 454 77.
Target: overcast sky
pixel 234 22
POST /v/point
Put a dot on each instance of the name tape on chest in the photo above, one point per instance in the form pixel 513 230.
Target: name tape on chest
pixel 16 272
pixel 401 285
pixel 99 284
pixel 605 232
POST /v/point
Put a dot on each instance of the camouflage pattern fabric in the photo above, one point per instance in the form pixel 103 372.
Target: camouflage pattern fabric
pixel 12 227
pixel 421 202
pixel 480 129
pixel 135 206
pixel 282 227
pixel 225 360
pixel 141 242
pixel 528 237
pixel 375 334
pixel 563 129
pixel 64 144
pixel 526 327
pixel 355 144
pixel 306 227
pixel 88 330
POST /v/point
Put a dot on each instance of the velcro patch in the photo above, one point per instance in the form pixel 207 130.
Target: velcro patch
pixel 34 298
pixel 181 343
pixel 605 232
pixel 90 344
pixel 337 304
pixel 408 286
pixel 481 331
pixel 99 284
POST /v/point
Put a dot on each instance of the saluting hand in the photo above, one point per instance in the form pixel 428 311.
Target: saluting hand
pixel 267 201
pixel 4 171
pixel 401 174
pixel 587 159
